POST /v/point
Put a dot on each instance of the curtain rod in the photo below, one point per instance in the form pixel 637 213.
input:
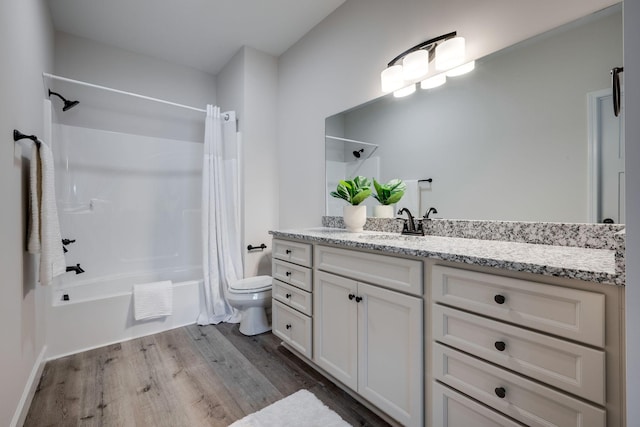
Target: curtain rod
pixel 162 101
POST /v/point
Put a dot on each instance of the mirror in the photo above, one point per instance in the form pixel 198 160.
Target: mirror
pixel 529 135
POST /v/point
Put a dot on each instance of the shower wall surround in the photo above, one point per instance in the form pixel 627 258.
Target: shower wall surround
pixel 130 202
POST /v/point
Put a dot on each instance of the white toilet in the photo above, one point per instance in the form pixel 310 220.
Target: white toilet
pixel 251 296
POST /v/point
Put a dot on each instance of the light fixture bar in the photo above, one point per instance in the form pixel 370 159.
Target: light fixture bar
pixel 423 45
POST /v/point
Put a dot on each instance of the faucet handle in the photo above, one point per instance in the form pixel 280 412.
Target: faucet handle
pixel 430 211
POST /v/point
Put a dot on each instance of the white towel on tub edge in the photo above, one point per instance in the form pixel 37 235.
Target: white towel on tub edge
pixel 152 300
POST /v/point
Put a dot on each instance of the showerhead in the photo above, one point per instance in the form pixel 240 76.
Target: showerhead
pixel 357 153
pixel 67 104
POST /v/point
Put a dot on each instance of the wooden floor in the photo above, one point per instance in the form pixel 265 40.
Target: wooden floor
pixel 191 376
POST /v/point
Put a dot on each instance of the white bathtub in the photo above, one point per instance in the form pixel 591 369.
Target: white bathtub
pixel 101 312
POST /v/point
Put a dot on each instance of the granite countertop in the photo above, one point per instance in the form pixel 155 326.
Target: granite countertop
pixel 592 265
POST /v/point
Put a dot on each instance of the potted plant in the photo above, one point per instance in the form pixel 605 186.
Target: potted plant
pixel 354 192
pixel 388 194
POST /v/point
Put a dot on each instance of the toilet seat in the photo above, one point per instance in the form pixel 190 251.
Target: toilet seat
pixel 251 285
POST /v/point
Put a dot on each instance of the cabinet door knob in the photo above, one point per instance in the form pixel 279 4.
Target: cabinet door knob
pixel 358 299
pixel 500 345
pixel 288 251
pixel 288 326
pixel 500 392
pixel 499 299
pixel 288 274
pixel 287 295
pixel 351 296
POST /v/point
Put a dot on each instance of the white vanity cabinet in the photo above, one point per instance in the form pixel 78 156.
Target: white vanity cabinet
pixel 368 335
pixel 535 353
pixel 292 297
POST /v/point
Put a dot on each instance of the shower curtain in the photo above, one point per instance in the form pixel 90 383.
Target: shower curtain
pixel 221 240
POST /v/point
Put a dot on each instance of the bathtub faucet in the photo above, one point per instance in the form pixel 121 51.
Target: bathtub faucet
pixel 75 268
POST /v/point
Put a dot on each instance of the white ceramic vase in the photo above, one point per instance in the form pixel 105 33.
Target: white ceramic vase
pixel 354 217
pixel 383 211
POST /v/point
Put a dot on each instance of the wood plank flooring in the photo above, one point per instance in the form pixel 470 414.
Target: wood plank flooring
pixel 191 376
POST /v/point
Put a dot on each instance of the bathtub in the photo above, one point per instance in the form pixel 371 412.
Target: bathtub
pixel 100 312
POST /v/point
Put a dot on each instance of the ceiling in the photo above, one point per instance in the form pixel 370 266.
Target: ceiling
pixel 201 34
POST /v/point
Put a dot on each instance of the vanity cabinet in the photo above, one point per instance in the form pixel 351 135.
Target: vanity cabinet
pixel 292 297
pixel 369 335
pixel 533 352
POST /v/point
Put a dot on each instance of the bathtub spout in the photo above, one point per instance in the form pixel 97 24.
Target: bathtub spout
pixel 75 268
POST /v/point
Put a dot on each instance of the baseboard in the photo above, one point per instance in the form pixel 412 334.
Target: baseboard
pixel 29 390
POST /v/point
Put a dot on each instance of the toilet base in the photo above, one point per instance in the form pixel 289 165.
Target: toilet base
pixel 254 321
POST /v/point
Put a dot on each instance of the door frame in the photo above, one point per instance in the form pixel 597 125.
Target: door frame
pixel 593 156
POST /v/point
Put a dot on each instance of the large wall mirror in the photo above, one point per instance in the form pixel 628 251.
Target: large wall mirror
pixel 529 135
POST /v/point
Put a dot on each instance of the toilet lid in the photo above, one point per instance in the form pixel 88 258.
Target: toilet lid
pixel 251 284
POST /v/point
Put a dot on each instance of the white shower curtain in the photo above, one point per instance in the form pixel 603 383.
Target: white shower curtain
pixel 221 240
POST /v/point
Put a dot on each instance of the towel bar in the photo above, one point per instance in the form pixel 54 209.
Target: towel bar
pixel 17 136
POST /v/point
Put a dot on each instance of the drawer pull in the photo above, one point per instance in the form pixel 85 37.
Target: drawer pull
pixel 500 345
pixel 500 392
pixel 288 326
pixel 358 299
pixel 499 299
pixel 288 251
pixel 288 274
pixel 287 295
pixel 351 296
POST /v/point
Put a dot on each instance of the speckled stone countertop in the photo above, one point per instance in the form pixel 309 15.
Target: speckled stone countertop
pixel 592 265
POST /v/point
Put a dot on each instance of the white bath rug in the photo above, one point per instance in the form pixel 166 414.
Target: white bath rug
pixel 301 409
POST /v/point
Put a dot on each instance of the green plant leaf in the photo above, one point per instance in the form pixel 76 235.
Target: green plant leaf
pixel 361 196
pixel 353 191
pixel 389 193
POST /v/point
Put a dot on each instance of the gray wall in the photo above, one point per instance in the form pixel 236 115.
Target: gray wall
pixel 248 85
pixel 337 65
pixel 632 146
pixel 26 49
pixel 83 59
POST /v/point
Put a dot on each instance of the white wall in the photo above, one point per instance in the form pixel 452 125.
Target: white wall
pixel 26 49
pixel 631 80
pixel 248 85
pixel 337 66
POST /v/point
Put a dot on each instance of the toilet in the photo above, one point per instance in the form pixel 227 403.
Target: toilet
pixel 251 296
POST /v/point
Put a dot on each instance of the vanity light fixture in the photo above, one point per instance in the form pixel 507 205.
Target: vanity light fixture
pixel 447 52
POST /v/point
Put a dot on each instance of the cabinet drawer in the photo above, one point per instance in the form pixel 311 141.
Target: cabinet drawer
pixel 569 313
pixel 292 296
pixel 572 367
pixel 394 273
pixel 522 399
pixel 292 327
pixel 292 274
pixel 452 409
pixel 297 253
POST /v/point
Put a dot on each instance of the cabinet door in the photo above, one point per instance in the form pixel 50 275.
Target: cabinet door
pixel 292 327
pixel 390 370
pixel 335 327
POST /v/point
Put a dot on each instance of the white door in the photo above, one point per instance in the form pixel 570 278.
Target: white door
pixel 390 371
pixel 607 160
pixel 335 327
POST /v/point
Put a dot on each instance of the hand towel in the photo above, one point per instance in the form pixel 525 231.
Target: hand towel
pixel 35 194
pixel 52 262
pixel 151 300
pixel 411 198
